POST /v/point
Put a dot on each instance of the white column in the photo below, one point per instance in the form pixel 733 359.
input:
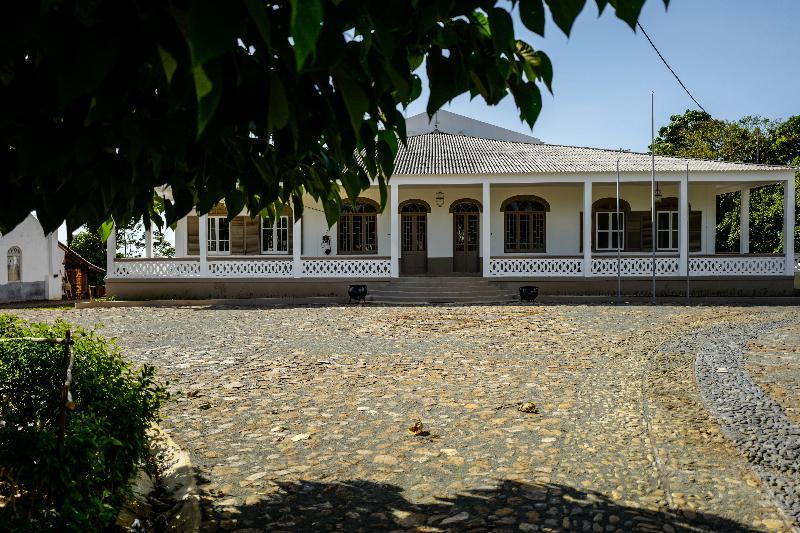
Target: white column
pixel 683 226
pixel 203 243
pixel 587 228
pixel 180 238
pixel 788 225
pixel 486 230
pixel 394 235
pixel 148 241
pixel 744 222
pixel 297 248
pixel 111 252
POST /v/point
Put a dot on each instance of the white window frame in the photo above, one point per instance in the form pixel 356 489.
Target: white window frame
pixel 673 216
pixel 215 222
pixel 610 231
pixel 275 230
pixel 17 253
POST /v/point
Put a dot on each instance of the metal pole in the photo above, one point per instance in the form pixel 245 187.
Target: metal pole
pixel 653 232
pixel 619 245
pixel 688 259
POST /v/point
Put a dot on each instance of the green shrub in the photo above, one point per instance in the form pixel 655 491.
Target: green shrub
pixel 82 486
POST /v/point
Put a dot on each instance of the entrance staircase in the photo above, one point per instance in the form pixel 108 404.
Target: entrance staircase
pixel 440 290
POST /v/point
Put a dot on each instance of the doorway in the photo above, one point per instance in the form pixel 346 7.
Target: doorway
pixel 466 236
pixel 414 237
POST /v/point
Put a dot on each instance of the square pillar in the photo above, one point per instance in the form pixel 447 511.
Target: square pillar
pixel 587 228
pixel 297 248
pixel 148 241
pixel 486 230
pixel 203 244
pixel 394 230
pixel 744 222
pixel 181 236
pixel 111 252
pixel 683 227
pixel 788 225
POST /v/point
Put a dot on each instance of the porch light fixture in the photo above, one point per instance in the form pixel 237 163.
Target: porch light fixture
pixel 440 198
pixel 657 195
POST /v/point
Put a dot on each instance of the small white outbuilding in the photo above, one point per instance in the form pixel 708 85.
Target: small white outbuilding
pixel 33 263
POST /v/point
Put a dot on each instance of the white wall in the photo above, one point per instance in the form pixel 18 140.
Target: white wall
pixel 42 259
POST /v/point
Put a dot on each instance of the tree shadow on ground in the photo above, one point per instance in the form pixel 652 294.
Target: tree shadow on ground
pixel 360 505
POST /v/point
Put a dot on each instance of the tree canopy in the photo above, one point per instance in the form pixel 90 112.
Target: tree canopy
pixel 250 101
pixel 751 139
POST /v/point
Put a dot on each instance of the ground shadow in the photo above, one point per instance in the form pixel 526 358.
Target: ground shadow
pixel 360 505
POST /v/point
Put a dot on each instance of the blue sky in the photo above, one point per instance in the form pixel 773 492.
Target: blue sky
pixel 738 57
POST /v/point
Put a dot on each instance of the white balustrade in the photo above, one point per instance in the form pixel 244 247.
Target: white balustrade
pixel 797 265
pixel 737 266
pixel 173 268
pixel 563 266
pixel 346 268
pixel 253 268
pixel 635 266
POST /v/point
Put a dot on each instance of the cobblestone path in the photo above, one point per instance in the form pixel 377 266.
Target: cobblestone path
pixel 296 418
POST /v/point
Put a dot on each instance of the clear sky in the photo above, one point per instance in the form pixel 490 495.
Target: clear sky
pixel 737 57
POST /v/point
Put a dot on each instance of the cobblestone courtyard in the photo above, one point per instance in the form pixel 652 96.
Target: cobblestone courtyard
pixel 296 418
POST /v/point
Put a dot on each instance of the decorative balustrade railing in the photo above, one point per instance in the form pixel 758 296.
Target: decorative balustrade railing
pixel 345 268
pixel 635 266
pixel 156 268
pixel 251 268
pixel 797 265
pixel 540 266
pixel 770 265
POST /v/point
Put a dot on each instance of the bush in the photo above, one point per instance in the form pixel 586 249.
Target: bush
pixel 82 486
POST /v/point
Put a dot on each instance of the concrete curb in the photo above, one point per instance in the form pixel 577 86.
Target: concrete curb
pixel 179 482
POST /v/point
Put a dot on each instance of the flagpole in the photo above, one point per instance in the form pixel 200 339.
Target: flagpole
pixel 653 231
pixel 688 259
pixel 619 243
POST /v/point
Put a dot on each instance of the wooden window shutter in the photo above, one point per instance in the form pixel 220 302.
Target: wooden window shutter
pixel 695 230
pixel 580 233
pixel 647 232
pixel 252 235
pixel 192 235
pixel 237 236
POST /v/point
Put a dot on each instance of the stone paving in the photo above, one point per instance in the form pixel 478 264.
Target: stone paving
pixel 773 360
pixel 296 418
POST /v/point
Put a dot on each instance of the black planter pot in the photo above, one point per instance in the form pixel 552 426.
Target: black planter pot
pixel 357 293
pixel 528 293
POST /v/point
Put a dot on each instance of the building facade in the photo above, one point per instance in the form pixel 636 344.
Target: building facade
pixel 471 199
pixel 33 263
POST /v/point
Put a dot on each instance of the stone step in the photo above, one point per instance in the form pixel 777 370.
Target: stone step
pixel 443 300
pixel 437 292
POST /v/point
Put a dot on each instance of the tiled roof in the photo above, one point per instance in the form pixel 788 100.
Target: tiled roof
pixel 444 153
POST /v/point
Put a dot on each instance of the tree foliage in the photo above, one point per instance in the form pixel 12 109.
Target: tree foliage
pixel 91 247
pixel 250 101
pixel 752 139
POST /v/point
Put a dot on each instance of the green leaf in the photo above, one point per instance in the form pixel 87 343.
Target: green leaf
pixel 106 228
pixel 531 12
pixel 483 22
pixel 355 99
pixel 545 69
pixel 211 30
pixel 208 92
pixel 565 12
pixel 502 27
pixel 258 12
pixel 168 62
pixel 629 10
pixel 306 24
pixel 278 113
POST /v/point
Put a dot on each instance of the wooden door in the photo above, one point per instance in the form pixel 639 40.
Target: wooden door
pixel 414 239
pixel 466 238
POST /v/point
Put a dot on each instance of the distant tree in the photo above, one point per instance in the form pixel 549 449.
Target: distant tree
pixel 752 139
pixel 256 102
pixel 130 239
pixel 161 246
pixel 91 247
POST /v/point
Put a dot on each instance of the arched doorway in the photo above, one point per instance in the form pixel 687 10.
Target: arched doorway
pixel 466 235
pixel 414 236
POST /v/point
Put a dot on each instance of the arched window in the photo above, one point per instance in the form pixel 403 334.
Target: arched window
pixel 358 227
pixel 525 224
pixel 414 206
pixel 14 262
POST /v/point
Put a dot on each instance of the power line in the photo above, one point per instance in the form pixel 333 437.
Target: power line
pixel 669 67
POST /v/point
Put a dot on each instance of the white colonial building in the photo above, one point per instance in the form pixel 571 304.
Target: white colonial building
pixel 471 199
pixel 33 263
